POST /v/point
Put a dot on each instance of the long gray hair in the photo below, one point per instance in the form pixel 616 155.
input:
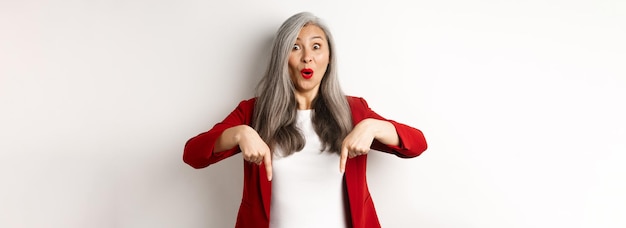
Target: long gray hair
pixel 275 110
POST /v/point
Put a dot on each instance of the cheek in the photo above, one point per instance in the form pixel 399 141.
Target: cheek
pixel 323 61
pixel 292 65
pixel 324 57
pixel 290 62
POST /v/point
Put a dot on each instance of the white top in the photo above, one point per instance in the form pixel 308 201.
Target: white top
pixel 307 185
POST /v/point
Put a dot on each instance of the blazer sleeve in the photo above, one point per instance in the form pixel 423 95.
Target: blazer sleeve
pixel 198 151
pixel 412 140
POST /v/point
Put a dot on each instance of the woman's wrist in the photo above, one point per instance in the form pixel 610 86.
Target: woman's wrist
pixel 240 132
pixel 383 131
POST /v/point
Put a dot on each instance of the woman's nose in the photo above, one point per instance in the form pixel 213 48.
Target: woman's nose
pixel 306 57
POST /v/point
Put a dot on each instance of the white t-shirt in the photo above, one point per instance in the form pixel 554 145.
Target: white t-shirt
pixel 307 185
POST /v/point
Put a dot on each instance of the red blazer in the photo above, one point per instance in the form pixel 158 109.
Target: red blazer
pixel 254 210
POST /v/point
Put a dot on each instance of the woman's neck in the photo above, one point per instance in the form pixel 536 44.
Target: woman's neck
pixel 305 100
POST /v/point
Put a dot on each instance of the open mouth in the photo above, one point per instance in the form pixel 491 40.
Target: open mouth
pixel 307 73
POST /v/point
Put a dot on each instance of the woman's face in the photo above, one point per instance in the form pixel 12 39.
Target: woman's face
pixel 308 60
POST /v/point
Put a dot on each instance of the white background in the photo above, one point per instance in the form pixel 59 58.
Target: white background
pixel 522 103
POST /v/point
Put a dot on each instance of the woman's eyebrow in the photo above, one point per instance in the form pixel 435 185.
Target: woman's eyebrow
pixel 315 37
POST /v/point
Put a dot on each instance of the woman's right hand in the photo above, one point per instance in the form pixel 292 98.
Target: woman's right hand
pixel 253 148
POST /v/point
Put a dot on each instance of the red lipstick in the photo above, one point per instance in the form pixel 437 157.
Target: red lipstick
pixel 307 73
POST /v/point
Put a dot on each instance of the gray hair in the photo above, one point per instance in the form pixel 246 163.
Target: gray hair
pixel 275 110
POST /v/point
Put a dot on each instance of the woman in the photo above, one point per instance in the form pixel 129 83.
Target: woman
pixel 295 133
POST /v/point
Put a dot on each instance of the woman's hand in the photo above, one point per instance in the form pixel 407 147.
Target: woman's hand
pixel 253 148
pixel 359 140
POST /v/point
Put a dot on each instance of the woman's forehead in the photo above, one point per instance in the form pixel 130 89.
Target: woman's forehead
pixel 311 31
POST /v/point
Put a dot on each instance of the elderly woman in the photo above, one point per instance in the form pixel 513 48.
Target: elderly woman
pixel 304 142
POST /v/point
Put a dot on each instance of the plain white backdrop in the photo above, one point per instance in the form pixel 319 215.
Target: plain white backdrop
pixel 522 103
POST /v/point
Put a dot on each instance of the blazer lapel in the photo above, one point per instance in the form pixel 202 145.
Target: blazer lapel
pixel 266 190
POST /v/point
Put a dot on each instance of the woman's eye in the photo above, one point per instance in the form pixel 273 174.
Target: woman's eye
pixel 296 47
pixel 316 46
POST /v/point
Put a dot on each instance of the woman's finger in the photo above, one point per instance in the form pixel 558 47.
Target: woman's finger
pixel 268 165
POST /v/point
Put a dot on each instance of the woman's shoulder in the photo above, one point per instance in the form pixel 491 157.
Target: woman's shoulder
pixel 247 104
pixel 249 100
pixel 352 98
pixel 356 101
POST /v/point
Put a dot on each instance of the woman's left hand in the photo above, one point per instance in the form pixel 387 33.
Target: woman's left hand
pixel 359 140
